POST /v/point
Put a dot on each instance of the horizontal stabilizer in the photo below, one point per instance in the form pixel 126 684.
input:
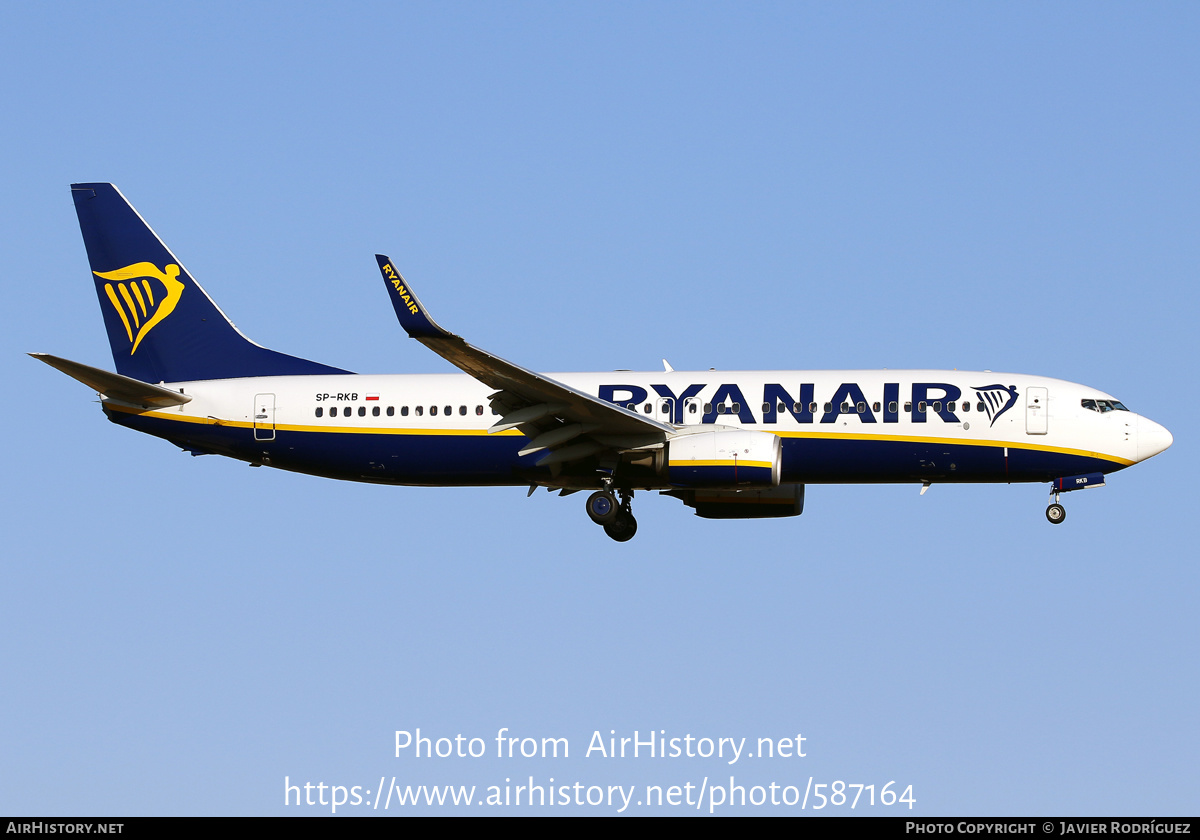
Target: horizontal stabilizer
pixel 114 385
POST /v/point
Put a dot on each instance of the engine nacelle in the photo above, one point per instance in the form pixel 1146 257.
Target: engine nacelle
pixel 751 503
pixel 730 458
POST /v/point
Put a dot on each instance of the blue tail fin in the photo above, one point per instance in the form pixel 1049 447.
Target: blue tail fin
pixel 162 326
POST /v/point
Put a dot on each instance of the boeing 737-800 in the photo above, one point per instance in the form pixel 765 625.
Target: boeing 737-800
pixel 730 444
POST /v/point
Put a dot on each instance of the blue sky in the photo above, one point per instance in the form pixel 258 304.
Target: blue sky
pixel 590 187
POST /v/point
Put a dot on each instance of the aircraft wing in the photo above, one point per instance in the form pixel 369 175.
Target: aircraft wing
pixel 568 422
pixel 114 386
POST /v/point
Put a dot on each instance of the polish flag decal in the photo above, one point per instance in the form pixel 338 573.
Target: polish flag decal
pixel 372 397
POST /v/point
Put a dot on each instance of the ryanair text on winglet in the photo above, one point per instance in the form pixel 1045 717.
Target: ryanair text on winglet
pixel 398 282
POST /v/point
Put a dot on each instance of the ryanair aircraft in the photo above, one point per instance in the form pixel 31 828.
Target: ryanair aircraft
pixel 729 444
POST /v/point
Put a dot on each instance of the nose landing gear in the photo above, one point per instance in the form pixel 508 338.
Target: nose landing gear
pixel 615 517
pixel 1056 513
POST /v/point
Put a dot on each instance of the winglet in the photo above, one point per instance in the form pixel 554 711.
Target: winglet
pixel 412 314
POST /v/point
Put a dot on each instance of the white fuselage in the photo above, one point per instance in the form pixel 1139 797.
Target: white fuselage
pixel 879 425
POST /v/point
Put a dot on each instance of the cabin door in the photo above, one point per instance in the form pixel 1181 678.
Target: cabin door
pixel 264 417
pixel 1037 405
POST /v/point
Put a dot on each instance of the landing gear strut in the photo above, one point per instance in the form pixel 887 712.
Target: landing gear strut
pixel 1056 513
pixel 616 517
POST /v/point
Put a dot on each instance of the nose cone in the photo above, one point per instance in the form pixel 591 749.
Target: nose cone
pixel 1151 439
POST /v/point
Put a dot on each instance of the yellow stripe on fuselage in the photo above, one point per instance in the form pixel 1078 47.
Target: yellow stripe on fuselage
pixel 764 464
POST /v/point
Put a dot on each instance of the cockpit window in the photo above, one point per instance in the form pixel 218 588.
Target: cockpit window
pixel 1103 405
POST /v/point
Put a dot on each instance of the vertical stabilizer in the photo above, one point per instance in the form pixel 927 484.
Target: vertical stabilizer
pixel 162 326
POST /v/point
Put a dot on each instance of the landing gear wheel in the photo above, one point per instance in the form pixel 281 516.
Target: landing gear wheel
pixel 1056 513
pixel 622 528
pixel 602 507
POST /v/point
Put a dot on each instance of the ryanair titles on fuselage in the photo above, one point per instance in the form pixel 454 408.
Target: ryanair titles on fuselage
pixel 806 406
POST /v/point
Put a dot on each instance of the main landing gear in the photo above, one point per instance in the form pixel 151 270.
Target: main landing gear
pixel 615 517
pixel 1056 513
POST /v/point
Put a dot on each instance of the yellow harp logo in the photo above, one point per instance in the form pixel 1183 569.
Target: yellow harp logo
pixel 141 310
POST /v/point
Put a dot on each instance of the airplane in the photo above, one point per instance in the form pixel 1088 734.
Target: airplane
pixel 728 444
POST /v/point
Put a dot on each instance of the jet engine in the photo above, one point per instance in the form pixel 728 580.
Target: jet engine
pixel 724 458
pixel 751 503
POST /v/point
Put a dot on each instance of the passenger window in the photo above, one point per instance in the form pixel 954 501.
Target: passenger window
pixel 828 407
pixel 391 412
pixel 950 405
pixel 433 411
pixel 478 411
pixel 737 408
pixel 691 408
pixel 979 406
pixel 862 408
pixel 908 407
pixel 448 410
pixel 404 411
pixel 320 411
pixel 462 411
pixel 720 408
pixel 646 408
pixel 797 408
pixel 631 407
pixel 937 406
pixel 966 405
pixel 362 411
pixel 495 411
pixel 666 409
pixel 375 411
pixel 921 406
pixel 812 408
pixel 767 408
pixel 875 407
pixel 845 408
pixel 893 407
pixel 708 408
pixel 420 410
